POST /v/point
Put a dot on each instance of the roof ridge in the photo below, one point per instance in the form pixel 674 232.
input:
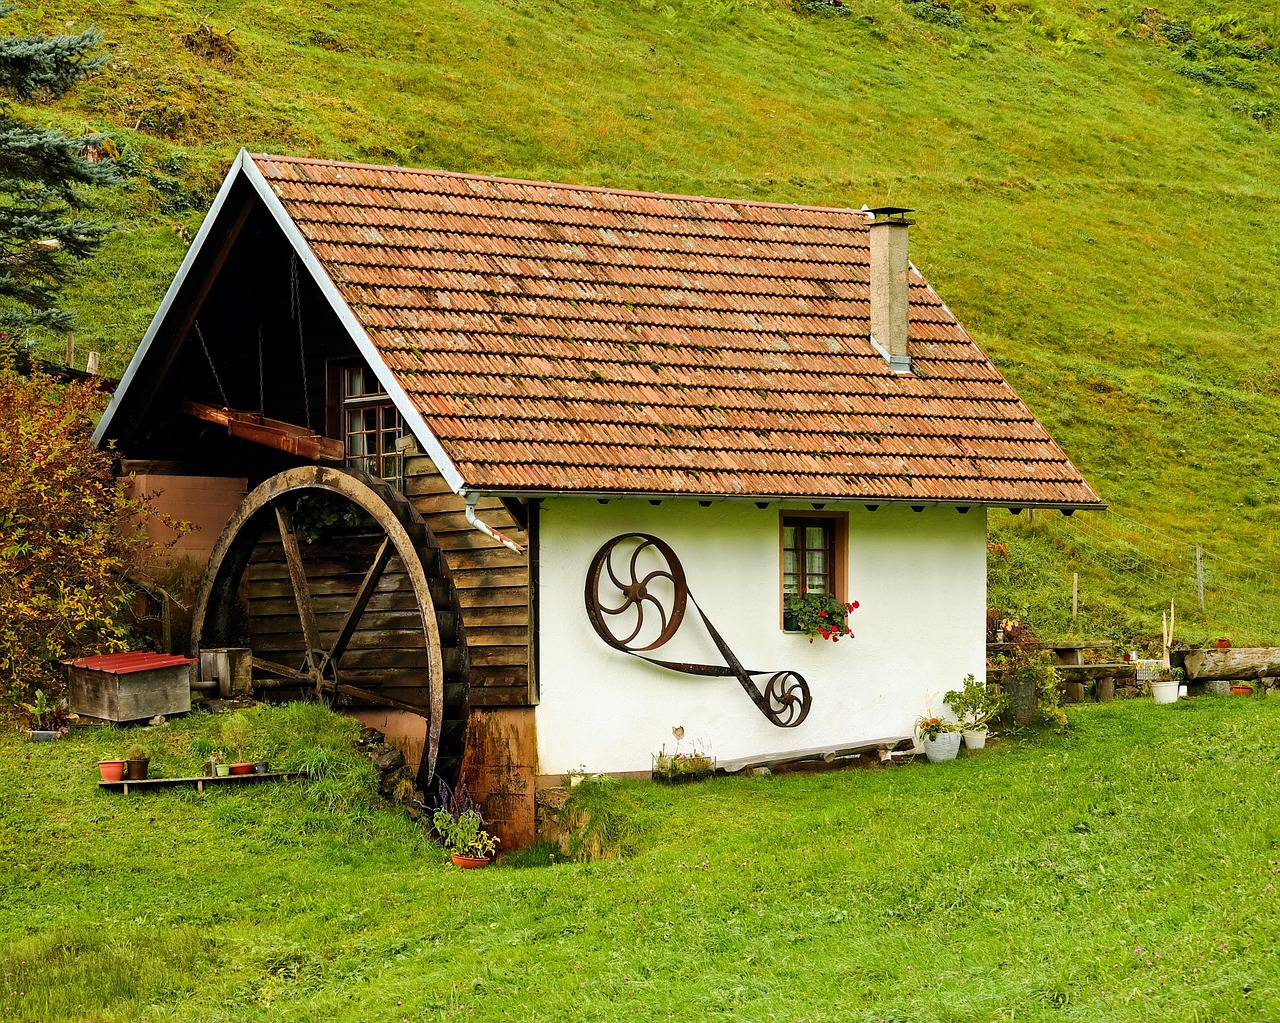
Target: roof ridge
pixel 634 192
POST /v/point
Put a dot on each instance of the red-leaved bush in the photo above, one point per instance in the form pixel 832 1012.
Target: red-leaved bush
pixel 67 534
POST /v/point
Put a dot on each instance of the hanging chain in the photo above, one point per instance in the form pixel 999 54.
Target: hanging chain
pixel 212 368
pixel 262 385
pixel 296 299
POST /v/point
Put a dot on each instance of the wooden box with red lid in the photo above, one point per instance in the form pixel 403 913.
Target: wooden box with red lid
pixel 131 686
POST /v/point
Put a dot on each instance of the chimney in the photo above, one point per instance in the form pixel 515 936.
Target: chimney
pixel 890 306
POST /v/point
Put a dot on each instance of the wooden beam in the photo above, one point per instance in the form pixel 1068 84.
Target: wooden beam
pixel 1235 665
pixel 298 577
pixel 271 433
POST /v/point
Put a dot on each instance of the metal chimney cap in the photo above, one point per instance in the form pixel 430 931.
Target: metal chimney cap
pixel 891 214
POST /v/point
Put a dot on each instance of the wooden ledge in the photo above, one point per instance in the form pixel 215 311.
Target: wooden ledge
pixel 199 781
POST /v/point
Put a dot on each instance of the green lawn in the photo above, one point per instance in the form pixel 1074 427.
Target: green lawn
pixel 1124 871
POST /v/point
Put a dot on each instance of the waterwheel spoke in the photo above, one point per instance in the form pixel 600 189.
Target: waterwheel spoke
pixel 282 671
pixel 363 594
pixel 381 698
pixel 297 575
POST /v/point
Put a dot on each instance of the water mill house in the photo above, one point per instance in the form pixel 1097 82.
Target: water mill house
pixel 522 472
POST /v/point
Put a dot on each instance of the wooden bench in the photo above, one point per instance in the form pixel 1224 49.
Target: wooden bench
pixel 199 781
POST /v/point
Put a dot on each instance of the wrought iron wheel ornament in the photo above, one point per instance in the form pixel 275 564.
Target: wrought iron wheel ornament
pixel 621 602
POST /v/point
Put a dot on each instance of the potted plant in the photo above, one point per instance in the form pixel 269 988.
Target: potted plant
pixel 469 844
pixel 1241 689
pixel 678 768
pixel 111 770
pixel 460 827
pixel 1164 684
pixel 941 737
pixel 236 731
pixel 47 719
pixel 975 705
pixel 817 615
pixel 136 763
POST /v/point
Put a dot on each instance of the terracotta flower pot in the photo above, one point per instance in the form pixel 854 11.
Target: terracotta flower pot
pixel 111 770
pixel 468 862
pixel 245 767
pixel 1224 644
pixel 1241 690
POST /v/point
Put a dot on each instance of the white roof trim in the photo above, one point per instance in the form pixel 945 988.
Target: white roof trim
pixel 170 296
pixel 372 356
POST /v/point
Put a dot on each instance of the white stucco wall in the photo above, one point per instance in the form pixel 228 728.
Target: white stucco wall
pixel 920 578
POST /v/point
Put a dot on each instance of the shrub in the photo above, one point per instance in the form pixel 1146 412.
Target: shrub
pixel 67 534
pixel 937 13
pixel 1031 684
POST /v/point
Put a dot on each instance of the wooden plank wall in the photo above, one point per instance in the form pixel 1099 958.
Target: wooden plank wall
pixel 387 651
pixel 492 583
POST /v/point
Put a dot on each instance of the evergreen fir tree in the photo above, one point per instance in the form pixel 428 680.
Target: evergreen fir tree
pixel 43 227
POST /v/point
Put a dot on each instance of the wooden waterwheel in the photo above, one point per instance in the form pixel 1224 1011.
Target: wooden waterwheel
pixel 361 615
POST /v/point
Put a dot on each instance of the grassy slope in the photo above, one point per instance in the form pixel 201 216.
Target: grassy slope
pixel 1104 225
pixel 1028 880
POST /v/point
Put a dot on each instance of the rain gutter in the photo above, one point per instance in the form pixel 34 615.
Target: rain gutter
pixel 484 527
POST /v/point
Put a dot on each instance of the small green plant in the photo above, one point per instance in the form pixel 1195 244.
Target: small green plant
pixel 464 834
pixel 236 732
pixel 46 715
pixel 459 824
pixel 975 703
pixel 936 13
pixel 682 766
pixel 818 614
pixel 316 516
pixel 1169 675
pixel 137 752
pixel 823 8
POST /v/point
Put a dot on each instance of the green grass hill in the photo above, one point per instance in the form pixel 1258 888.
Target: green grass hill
pixel 1098 187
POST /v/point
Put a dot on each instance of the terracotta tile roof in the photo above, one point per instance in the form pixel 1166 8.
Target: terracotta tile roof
pixel 564 338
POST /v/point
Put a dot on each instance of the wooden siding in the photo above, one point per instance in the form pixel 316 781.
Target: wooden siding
pixel 492 583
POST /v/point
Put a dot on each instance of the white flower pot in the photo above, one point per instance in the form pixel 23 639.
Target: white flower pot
pixel 1165 692
pixel 944 747
pixel 975 738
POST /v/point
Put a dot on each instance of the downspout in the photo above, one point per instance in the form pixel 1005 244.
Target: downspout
pixel 485 528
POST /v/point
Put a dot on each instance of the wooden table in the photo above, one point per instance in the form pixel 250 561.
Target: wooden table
pixel 1073 674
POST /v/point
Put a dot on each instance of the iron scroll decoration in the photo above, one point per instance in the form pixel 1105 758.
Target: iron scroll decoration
pixel 785 699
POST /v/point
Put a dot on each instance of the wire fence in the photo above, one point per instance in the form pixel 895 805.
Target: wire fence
pixel 1154 567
